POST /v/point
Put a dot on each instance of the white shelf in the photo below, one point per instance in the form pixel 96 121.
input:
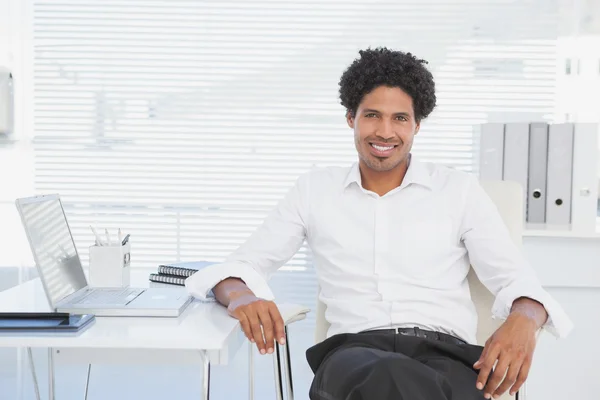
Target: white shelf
pixel 560 233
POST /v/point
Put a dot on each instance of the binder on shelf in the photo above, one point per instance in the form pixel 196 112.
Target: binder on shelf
pixel 556 164
pixel 559 174
pixel 538 164
pixel 491 151
pixel 585 178
pixel 516 156
pixel 7 102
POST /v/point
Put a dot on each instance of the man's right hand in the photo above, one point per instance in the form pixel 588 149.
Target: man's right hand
pixel 253 312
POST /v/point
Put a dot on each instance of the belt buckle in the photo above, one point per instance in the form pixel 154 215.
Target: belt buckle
pixel 401 331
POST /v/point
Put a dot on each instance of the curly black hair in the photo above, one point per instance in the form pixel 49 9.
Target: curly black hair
pixel 384 67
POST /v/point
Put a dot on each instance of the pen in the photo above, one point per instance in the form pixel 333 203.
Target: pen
pixel 98 240
pixel 125 240
pixel 107 237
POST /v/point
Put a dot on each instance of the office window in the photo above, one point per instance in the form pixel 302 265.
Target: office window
pixel 184 122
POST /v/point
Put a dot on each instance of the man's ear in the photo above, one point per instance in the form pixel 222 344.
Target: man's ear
pixel 417 127
pixel 350 119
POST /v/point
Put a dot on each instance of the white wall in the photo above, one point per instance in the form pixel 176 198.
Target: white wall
pixel 569 269
pixel 16 156
pixel 568 369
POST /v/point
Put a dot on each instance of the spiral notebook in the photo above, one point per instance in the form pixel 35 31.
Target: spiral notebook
pixel 177 273
pixel 184 269
pixel 171 279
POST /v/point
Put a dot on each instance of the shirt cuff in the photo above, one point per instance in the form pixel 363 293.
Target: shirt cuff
pixel 558 322
pixel 200 284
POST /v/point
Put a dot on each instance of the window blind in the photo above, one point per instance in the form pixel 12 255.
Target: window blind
pixel 184 122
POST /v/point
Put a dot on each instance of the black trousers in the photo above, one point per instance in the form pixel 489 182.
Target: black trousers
pixel 390 366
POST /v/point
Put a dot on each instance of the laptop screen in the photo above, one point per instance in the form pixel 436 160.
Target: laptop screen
pixel 53 247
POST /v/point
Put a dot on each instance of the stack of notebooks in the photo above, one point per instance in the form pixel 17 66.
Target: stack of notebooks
pixel 177 273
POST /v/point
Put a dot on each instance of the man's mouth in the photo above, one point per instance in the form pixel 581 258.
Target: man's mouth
pixel 382 150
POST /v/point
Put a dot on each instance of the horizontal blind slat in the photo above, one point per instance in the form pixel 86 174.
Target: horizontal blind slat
pixel 187 121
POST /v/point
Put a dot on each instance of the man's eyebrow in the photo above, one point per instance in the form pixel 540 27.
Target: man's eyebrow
pixel 400 113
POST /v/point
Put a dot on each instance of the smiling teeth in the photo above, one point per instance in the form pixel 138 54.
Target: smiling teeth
pixel 381 148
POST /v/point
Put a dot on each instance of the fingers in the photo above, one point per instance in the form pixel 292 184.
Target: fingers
pixel 261 322
pixel 486 363
pixel 278 324
pixel 482 357
pixel 497 376
pixel 257 333
pixel 510 378
pixel 522 377
pixel 267 325
pixel 245 323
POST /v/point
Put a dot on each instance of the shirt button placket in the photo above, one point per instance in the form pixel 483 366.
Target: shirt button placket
pixel 381 246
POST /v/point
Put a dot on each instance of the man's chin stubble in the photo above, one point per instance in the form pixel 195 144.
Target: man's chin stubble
pixel 379 164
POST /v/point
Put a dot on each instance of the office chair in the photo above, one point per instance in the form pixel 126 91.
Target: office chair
pixel 508 198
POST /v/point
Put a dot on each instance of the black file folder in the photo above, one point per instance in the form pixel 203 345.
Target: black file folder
pixel 13 322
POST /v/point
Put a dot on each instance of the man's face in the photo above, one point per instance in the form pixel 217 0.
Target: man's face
pixel 384 128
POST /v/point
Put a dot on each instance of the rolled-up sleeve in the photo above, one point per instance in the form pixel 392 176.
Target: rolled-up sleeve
pixel 558 323
pixel 200 284
pixel 271 245
pixel 500 264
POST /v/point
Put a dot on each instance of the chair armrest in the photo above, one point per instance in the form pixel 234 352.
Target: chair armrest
pixel 292 312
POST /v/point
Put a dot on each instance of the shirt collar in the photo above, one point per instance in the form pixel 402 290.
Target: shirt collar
pixel 353 176
pixel 417 173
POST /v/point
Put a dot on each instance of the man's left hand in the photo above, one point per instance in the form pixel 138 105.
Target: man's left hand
pixel 511 346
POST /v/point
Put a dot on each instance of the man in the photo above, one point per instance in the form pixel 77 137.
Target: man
pixel 393 239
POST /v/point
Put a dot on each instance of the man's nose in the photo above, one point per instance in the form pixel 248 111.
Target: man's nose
pixel 386 130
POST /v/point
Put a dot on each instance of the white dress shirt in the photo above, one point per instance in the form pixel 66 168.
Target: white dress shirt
pixel 398 260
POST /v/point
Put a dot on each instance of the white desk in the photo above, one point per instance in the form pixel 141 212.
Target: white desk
pixel 204 335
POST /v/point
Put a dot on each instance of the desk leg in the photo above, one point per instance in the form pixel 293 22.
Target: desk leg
pixel 51 394
pixel 206 378
pixel 87 381
pixel 36 386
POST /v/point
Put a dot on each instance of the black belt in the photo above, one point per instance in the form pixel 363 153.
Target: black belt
pixel 444 337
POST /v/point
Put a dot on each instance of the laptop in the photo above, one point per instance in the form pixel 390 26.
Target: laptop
pixel 63 278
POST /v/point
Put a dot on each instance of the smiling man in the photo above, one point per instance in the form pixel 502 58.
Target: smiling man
pixel 393 239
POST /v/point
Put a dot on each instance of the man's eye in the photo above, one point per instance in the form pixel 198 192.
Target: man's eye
pixel 401 118
pixel 370 115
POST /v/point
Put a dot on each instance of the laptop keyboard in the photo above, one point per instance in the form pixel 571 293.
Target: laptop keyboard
pixel 109 296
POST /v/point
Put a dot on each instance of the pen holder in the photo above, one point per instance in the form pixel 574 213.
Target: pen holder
pixel 110 265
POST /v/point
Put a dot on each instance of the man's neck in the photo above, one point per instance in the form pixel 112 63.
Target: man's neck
pixel 383 182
